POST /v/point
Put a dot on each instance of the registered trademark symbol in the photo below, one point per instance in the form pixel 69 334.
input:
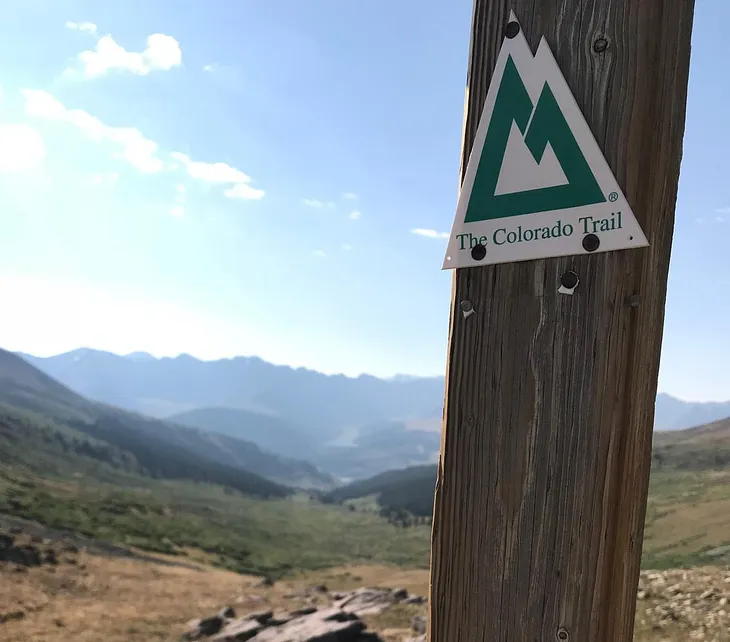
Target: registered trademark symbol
pixel 613 197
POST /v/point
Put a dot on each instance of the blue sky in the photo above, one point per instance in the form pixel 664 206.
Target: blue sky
pixel 247 182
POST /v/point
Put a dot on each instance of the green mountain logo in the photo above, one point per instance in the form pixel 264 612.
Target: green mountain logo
pixel 540 125
pixel 537 184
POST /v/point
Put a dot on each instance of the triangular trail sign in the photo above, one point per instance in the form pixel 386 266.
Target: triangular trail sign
pixel 536 184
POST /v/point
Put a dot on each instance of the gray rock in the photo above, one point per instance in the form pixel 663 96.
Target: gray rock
pixel 399 594
pixel 330 625
pixel 304 625
pixel 367 601
pixel 418 623
pixel 262 617
pixel 415 599
pixel 239 631
pixel 23 555
pixel 307 610
pixel 198 629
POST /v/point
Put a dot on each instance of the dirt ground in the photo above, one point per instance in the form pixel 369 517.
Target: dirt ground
pixel 91 597
pixel 87 597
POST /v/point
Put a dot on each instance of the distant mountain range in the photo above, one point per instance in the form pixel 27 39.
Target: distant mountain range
pixel 160 447
pixel 674 414
pixel 350 427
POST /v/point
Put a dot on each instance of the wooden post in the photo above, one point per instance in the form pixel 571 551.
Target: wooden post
pixel 542 483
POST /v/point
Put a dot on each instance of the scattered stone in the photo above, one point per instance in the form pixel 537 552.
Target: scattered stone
pixel 415 599
pixel 23 555
pixel 262 617
pixel 239 631
pixel 50 557
pixel 13 615
pixel 266 582
pixel 399 594
pixel 370 601
pixel 227 613
pixel 689 600
pixel 307 610
pixel 198 629
pixel 418 624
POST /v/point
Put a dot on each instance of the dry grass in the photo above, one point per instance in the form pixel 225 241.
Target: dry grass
pixel 127 600
pixel 124 600
pixel 111 599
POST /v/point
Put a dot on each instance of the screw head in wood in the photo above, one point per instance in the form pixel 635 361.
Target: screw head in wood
pixel 562 635
pixel 466 306
pixel 569 280
pixel 600 45
pixel 512 29
pixel 478 252
pixel 590 242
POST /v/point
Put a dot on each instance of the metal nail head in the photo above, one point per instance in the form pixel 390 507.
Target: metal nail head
pixel 591 242
pixel 513 28
pixel 478 252
pixel 467 308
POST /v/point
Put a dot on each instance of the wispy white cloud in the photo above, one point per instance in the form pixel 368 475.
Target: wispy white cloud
pixel 162 53
pixel 319 253
pixel 346 247
pixel 722 210
pixel 354 215
pixel 349 196
pixel 209 68
pixel 137 150
pixel 140 152
pixel 221 174
pixel 87 27
pixel 431 234
pixel 319 205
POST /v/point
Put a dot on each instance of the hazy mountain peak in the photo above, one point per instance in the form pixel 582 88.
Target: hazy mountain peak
pixel 140 356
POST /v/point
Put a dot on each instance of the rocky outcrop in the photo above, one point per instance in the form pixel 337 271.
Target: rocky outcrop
pixel 332 624
pixel 340 621
pixel 369 601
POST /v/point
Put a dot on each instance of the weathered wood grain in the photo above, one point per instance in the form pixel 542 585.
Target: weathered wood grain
pixel 542 483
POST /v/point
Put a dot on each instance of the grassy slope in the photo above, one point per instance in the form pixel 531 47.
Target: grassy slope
pixel 102 448
pixel 688 513
pixel 238 532
pixel 687 519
